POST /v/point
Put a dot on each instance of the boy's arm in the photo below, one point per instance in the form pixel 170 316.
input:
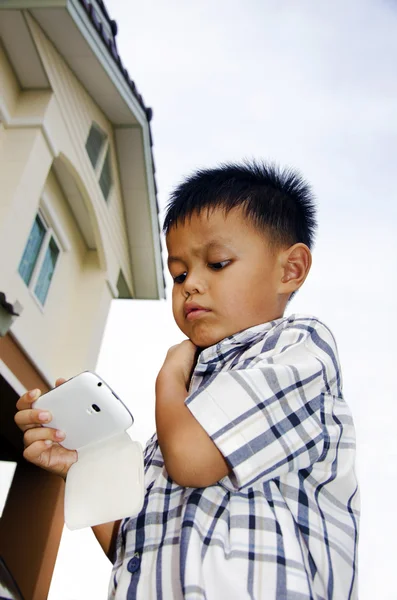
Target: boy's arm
pixel 106 534
pixel 251 423
pixel 190 456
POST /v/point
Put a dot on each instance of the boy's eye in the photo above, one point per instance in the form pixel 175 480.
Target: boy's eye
pixel 218 266
pixel 180 278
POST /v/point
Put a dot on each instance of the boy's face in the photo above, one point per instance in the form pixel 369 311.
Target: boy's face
pixel 226 277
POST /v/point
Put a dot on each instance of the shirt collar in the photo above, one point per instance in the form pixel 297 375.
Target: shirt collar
pixel 241 339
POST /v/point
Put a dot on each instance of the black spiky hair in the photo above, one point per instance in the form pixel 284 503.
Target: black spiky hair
pixel 277 201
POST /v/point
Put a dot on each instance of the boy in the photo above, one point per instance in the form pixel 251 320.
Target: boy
pixel 251 490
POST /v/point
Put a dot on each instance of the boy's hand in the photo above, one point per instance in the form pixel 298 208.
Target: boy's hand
pixel 42 446
pixel 179 362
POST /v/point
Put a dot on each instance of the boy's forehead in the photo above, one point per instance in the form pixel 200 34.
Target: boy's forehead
pixel 214 223
pixel 209 230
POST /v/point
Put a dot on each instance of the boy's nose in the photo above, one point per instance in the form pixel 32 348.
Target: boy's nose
pixel 193 285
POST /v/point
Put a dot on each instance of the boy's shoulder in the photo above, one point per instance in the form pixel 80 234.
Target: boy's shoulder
pixel 300 330
pixel 306 327
pixel 288 340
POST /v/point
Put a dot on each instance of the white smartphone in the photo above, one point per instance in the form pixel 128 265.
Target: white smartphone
pixel 86 409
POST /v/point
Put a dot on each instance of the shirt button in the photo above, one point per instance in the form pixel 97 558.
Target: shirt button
pixel 134 564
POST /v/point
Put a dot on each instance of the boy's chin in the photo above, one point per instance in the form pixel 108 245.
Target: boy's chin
pixel 209 339
pixel 206 341
pixel 204 336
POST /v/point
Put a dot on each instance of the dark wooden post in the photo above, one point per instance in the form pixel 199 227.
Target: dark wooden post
pixel 32 521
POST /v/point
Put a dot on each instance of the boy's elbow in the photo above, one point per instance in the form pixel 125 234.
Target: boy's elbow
pixel 193 463
pixel 183 474
pixel 190 473
pixel 193 481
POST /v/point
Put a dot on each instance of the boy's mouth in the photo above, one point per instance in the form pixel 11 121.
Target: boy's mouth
pixel 194 311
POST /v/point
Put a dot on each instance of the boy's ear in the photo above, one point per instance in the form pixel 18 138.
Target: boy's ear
pixel 295 262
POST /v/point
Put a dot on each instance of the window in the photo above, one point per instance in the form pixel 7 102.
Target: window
pixel 32 250
pixel 94 143
pixel 98 151
pixel 39 259
pixel 105 180
pixel 46 271
pixel 122 287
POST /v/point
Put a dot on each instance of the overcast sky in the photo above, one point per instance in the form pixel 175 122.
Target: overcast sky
pixel 313 85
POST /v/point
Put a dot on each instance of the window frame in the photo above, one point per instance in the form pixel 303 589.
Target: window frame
pixel 49 235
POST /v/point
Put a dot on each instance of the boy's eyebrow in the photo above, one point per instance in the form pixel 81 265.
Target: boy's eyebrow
pixel 211 245
pixel 172 259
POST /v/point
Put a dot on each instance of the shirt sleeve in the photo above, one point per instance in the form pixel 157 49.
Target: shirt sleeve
pixel 271 418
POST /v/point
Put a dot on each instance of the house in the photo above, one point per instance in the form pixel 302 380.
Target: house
pixel 78 228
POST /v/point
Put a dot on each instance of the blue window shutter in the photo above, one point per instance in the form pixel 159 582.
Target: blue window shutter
pixel 32 249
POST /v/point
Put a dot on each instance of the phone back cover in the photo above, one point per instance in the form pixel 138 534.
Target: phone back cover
pixel 71 406
pixel 106 483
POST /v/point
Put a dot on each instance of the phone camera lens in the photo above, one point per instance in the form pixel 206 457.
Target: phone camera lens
pixel 99 383
pixel 96 408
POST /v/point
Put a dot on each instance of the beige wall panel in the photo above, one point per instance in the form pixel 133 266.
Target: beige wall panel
pixel 92 306
pixel 25 161
pixel 2 139
pixel 9 87
pixel 83 321
pixel 78 111
pixel 32 106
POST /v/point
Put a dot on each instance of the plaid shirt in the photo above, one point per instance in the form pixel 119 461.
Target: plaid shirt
pixel 284 523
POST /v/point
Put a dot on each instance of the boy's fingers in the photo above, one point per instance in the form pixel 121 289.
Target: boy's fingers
pixel 33 452
pixel 27 399
pixel 37 453
pixel 28 418
pixel 41 434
